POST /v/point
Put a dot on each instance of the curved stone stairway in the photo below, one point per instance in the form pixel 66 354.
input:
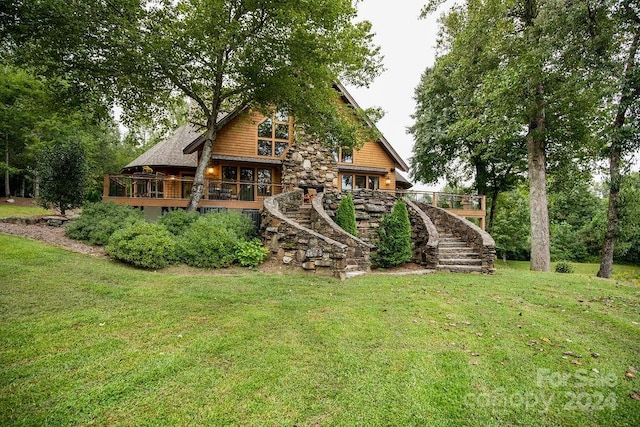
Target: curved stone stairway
pixel 302 216
pixel 457 256
pixel 305 235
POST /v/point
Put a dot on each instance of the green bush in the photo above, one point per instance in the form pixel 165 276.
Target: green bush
pixel 206 243
pixel 239 224
pixel 346 215
pixel 251 253
pixel 178 221
pixel 564 267
pixel 98 221
pixel 143 244
pixel 394 234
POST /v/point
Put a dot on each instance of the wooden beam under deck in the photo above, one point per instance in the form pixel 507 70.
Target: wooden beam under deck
pixel 182 203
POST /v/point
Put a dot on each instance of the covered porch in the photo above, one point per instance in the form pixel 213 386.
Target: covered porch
pixel 158 189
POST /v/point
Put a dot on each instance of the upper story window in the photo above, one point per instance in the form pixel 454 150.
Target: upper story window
pixel 343 155
pixel 274 135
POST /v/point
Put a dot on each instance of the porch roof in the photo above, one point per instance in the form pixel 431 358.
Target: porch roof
pixel 169 152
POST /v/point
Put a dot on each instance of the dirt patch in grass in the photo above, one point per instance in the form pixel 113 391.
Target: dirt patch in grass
pixel 52 235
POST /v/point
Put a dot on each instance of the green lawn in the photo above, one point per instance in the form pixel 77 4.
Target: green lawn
pixel 7 210
pixel 88 341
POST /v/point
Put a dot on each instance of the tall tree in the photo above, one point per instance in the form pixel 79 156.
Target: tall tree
pixel 22 97
pixel 624 134
pixel 225 55
pixel 535 90
pixel 452 138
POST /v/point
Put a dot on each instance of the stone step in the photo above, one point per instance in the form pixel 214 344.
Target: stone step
pixel 455 257
pixel 459 261
pixel 462 250
pixel 352 274
pixel 460 268
pixel 454 244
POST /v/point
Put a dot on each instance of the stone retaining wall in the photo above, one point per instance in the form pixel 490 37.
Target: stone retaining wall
pixel 295 245
pixel 464 230
pixel 424 237
pixel 51 220
pixel 371 206
pixel 358 251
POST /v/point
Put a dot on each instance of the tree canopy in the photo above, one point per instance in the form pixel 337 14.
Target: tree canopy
pixel 515 80
pixel 224 55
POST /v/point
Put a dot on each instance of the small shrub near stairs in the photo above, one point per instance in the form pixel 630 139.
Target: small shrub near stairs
pixel 394 233
pixel 251 253
pixel 143 244
pixel 346 215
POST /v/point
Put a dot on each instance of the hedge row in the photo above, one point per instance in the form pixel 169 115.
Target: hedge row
pixel 213 240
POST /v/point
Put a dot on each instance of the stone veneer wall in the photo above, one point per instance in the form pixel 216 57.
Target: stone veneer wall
pixel 295 245
pixel 424 236
pixel 371 206
pixel 357 250
pixel 466 231
pixel 309 163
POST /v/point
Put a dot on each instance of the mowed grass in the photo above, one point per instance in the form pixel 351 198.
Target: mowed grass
pixel 628 273
pixel 88 341
pixel 7 210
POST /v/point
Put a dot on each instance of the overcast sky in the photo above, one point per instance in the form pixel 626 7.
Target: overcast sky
pixel 408 46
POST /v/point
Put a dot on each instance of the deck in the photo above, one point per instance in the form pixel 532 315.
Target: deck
pixel 169 191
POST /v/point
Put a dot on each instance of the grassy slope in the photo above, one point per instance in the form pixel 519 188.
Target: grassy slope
pixel 85 340
pixel 12 210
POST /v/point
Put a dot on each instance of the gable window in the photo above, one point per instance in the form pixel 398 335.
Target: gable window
pixel 343 155
pixel 274 135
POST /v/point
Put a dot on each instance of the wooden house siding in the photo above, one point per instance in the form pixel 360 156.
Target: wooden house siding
pixel 239 138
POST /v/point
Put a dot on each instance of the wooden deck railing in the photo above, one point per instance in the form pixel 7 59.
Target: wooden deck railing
pixel 470 206
pixel 170 190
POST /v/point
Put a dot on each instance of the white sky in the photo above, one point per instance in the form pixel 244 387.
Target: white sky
pixel 408 46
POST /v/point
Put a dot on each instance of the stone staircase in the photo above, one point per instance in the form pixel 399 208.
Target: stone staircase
pixel 455 255
pixel 302 215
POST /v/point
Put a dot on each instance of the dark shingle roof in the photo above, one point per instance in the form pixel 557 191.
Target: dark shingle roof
pixel 169 151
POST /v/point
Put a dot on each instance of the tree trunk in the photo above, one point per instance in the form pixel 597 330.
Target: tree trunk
pixel 492 210
pixel 36 185
pixel 7 187
pixel 197 190
pixel 606 263
pixel 538 207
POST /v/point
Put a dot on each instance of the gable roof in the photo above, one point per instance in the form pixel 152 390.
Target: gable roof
pixel 170 151
pixel 223 120
pixel 385 144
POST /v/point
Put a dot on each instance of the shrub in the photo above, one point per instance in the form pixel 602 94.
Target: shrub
pixel 208 244
pixel 239 224
pixel 251 253
pixel 143 244
pixel 98 221
pixel 346 215
pixel 62 169
pixel 394 233
pixel 178 221
pixel 564 267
